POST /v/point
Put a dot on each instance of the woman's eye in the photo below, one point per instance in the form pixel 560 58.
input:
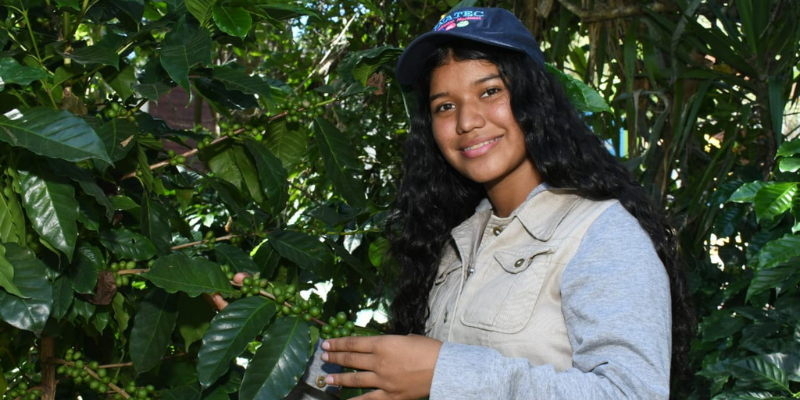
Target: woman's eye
pixel 442 107
pixel 491 92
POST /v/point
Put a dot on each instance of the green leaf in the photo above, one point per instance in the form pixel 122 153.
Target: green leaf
pixel 281 11
pixel 237 79
pixel 779 251
pixel 194 318
pixel 119 137
pixel 30 276
pixel 193 49
pixel 52 133
pixel 88 261
pixel 51 206
pixel 360 65
pixel 748 395
pixel 128 245
pixel 774 199
pixel 96 54
pixel 249 173
pixel 152 328
pixel 121 81
pixel 279 362
pixel 304 250
pixel 377 251
pixel 273 176
pixel 193 276
pixel 69 3
pixel 235 21
pixel 791 164
pixel 747 192
pixel 188 392
pixel 151 91
pixel 339 161
pixel 155 225
pixel 582 97
pixel 222 163
pixel 81 308
pixel 12 72
pixel 62 297
pixel 84 179
pixel 770 278
pixel 789 148
pixel 231 330
pixel 288 145
pixel 12 219
pixel 762 370
pixel 200 9
pixel 238 260
pixel 7 274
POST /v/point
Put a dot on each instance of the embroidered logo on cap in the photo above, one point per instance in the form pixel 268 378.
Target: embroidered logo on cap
pixel 458 19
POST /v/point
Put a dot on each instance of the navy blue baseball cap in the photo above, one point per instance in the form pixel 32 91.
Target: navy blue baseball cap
pixel 492 26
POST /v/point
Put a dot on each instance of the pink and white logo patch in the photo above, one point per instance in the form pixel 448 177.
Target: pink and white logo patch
pixel 458 19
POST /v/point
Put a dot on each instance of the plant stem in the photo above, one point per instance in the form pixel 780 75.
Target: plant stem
pixel 46 352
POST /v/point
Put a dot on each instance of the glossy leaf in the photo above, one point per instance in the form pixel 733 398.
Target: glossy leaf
pixel 237 79
pixel 200 9
pixel 151 91
pixel 238 260
pixel 96 54
pixel 121 81
pixel 119 137
pixel 235 21
pixel 193 276
pixel 52 133
pixel 188 392
pixel 30 276
pixel 155 225
pixel 7 274
pixel 51 207
pixel 88 261
pixel 12 72
pixel 288 145
pixel 12 219
pixel 304 250
pixel 274 179
pixel 762 370
pixel 279 362
pixel 779 251
pixel 189 51
pixel 339 161
pixel 747 192
pixel 231 330
pixel 120 313
pixel 789 148
pixel 360 65
pixel 62 297
pixel 282 11
pixel 581 96
pixel 770 278
pixel 84 179
pixel 152 328
pixel 791 164
pixel 773 200
pixel 128 245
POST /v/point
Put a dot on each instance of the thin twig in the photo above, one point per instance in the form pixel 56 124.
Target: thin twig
pixel 615 13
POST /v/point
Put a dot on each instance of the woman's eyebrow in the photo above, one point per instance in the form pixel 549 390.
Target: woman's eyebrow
pixel 476 83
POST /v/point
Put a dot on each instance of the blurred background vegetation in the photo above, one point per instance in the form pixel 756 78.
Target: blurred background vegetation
pixel 150 148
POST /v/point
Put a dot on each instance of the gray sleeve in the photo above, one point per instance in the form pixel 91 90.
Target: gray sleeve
pixel 616 303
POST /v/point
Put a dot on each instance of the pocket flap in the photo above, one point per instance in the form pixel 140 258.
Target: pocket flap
pixel 455 265
pixel 518 260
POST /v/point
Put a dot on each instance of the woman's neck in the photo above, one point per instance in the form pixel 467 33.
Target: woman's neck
pixel 507 194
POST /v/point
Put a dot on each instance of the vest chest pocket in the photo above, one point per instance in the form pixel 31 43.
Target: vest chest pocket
pixel 502 300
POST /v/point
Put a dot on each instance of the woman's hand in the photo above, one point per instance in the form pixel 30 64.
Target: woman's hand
pixel 217 300
pixel 400 367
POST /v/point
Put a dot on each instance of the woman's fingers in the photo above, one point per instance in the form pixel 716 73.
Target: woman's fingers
pixel 239 277
pixel 362 379
pixel 350 359
pixel 359 344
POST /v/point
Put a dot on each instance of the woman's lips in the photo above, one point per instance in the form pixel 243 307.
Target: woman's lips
pixel 481 148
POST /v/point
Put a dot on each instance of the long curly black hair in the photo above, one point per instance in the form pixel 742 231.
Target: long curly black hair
pixel 433 198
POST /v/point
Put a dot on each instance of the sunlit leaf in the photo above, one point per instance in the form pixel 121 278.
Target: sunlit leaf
pixel 12 219
pixel 582 97
pixel 52 133
pixel 191 50
pixel 235 21
pixel 88 261
pixel 304 250
pixel 230 332
pixel 288 145
pixel 12 72
pixel 774 199
pixel 747 192
pixel 279 362
pixel 193 276
pixel 7 274
pixel 791 164
pixel 200 9
pixel 194 318
pixel 126 244
pixel 237 79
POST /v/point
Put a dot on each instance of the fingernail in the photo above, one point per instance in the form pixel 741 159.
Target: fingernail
pixel 326 345
pixel 329 380
pixel 324 356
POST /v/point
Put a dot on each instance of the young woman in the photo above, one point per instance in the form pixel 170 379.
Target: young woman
pixel 532 262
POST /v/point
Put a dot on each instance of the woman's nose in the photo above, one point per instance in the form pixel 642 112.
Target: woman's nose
pixel 470 117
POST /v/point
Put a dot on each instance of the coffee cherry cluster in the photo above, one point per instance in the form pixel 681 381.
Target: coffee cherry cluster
pixel 210 242
pixel 80 375
pixel 338 326
pixel 175 159
pixel 115 110
pixel 21 391
pixel 229 129
pixel 142 393
pixel 122 280
pixel 303 107
pixel 204 143
pixel 251 286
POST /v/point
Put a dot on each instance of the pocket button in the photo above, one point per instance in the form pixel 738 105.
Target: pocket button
pixel 519 262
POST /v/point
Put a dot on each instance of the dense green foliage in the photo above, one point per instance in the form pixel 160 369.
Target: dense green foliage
pixel 115 226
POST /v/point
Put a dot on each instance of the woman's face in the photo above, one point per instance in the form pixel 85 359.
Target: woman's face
pixel 474 127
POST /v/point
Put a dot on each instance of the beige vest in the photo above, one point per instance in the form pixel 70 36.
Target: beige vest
pixel 508 295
